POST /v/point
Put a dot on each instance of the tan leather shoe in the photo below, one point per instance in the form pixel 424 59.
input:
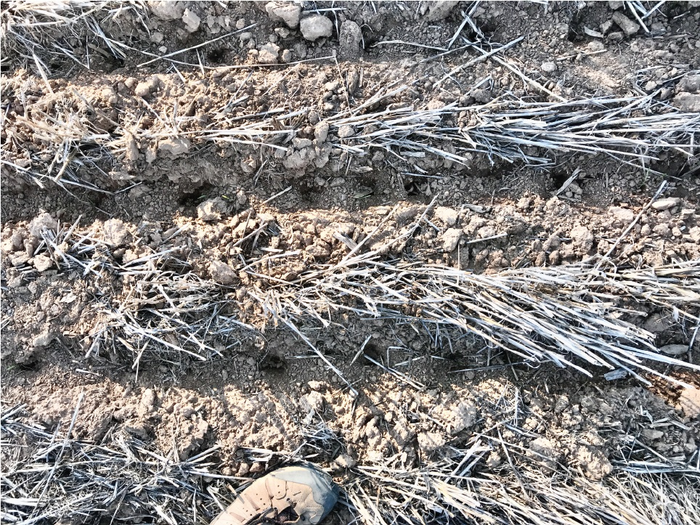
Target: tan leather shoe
pixel 301 495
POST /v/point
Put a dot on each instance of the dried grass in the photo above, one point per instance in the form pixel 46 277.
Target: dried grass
pixel 630 129
pixel 430 494
pixel 579 316
pixel 50 475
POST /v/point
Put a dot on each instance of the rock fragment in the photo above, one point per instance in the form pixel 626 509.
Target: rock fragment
pixel 268 54
pixel 446 215
pixel 450 239
pixel 222 273
pixel 167 9
pixel 666 203
pixel 440 9
pixel 116 232
pixel 315 27
pixel 687 102
pixel 191 21
pixel 628 26
pixel 321 131
pixel 42 223
pixel 42 263
pixel 211 209
pixel 689 402
pixel 549 67
pixel 175 146
pixel 286 12
pixel 350 41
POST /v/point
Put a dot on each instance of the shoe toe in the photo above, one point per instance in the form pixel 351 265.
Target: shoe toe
pixel 324 491
pixel 308 491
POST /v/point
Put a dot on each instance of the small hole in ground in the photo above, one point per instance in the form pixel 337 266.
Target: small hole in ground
pixel 195 197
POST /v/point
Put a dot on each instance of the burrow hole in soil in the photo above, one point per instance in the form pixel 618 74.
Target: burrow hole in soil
pixel 192 199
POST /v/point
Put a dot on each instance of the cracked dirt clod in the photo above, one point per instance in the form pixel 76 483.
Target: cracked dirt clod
pixel 43 263
pixel 43 340
pixel 430 442
pixel 321 131
pixel 582 238
pixel 146 88
pixel 549 67
pixel 594 463
pixel 690 84
pixel 211 210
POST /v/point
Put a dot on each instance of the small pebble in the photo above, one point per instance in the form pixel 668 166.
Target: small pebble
pixel 666 204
